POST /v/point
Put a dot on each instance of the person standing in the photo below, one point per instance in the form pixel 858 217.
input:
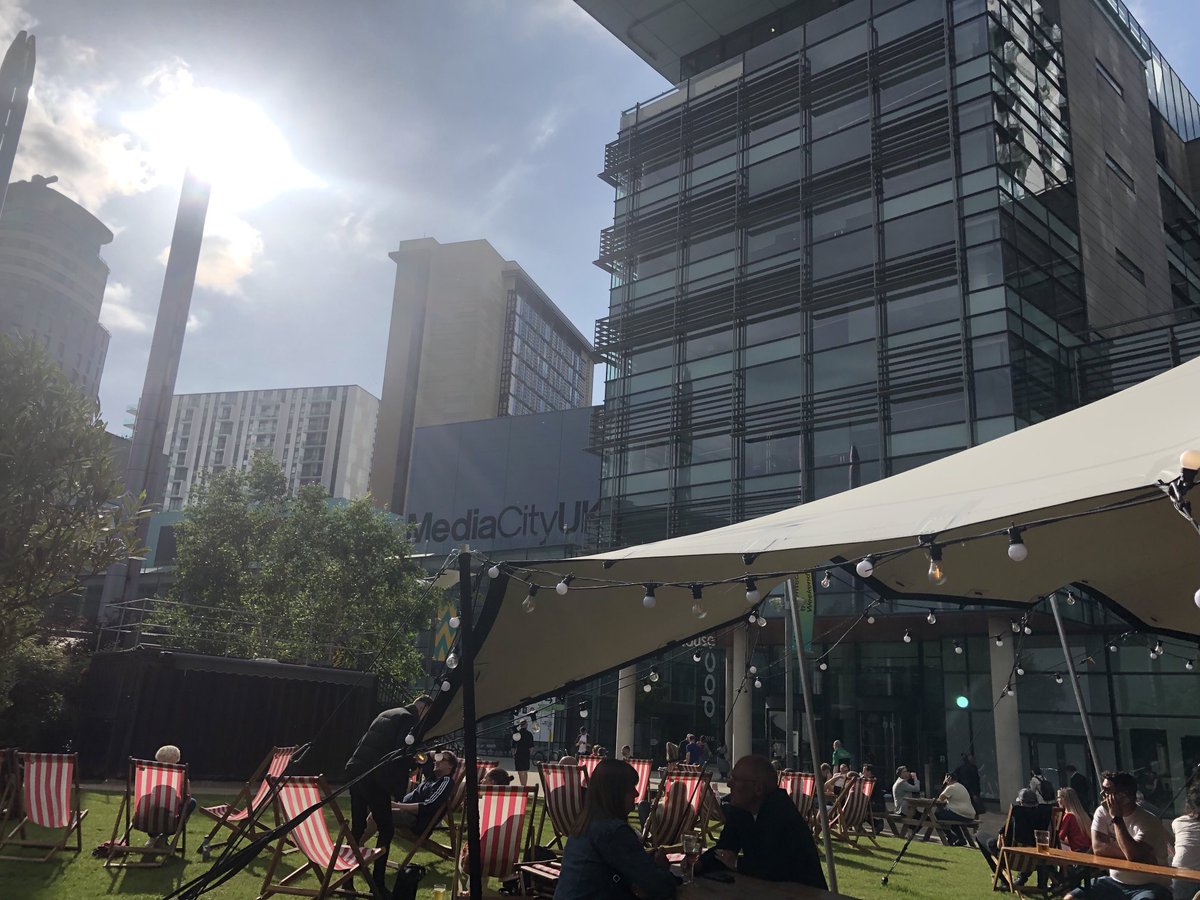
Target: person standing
pixel 374 785
pixel 1081 785
pixel 522 745
pixel 582 743
pixel 967 775
pixel 840 755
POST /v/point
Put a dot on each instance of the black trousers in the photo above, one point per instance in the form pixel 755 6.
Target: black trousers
pixel 370 796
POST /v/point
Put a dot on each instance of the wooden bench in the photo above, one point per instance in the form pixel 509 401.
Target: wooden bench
pixel 900 825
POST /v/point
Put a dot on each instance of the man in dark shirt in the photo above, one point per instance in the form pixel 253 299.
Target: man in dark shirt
pixel 1082 785
pixel 372 793
pixel 423 804
pixel 967 774
pixel 764 826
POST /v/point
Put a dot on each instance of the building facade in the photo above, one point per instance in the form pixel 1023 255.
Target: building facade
pixel 858 236
pixel 319 435
pixel 52 278
pixel 471 337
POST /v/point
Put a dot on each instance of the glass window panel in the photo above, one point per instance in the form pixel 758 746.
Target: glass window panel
pixel 648 266
pixel 908 18
pixel 775 381
pixel 705 174
pixel 654 358
pixel 970 40
pixel 945 437
pixel 832 445
pixel 918 200
pixel 774 173
pixel 842 254
pixel 978 149
pixel 710 266
pixel 658 378
pixel 993 393
pixel 843 113
pixel 699 346
pixel 772 455
pixel 920 310
pixel 928 411
pixel 848 215
pixel 838 50
pixel 844 327
pixel 758 153
pixel 845 366
pixel 768 329
pixel 985 267
pixel 920 231
pixel 708 246
pixel 708 449
pixel 692 475
pixel 703 368
pixel 931 170
pixel 770 240
pixel 647 481
pixel 647 457
pixel 843 147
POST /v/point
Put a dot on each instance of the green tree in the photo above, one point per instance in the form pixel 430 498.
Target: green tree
pixel 300 579
pixel 63 514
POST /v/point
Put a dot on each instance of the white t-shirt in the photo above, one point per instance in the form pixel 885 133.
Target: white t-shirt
pixel 958 799
pixel 1187 849
pixel 582 744
pixel 1143 826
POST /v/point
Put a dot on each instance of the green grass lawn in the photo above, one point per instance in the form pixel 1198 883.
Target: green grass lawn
pixel 927 871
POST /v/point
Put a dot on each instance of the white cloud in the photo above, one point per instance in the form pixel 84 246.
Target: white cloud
pixel 194 323
pixel 228 253
pixel 116 313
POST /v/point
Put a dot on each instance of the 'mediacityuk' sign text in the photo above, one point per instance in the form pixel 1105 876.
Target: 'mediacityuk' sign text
pixel 528 521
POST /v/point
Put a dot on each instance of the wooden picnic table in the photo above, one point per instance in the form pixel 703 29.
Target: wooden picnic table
pixel 1054 856
pixel 743 886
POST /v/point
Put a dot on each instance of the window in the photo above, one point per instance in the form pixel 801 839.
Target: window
pixel 1131 267
pixel 1108 76
pixel 1115 168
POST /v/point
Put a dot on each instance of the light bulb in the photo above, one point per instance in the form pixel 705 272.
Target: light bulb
pixel 1020 669
pixel 1017 551
pixel 762 621
pixel 1190 459
pixel 865 567
pixel 1016 628
pixel 653 675
pixel 699 611
pixel 999 641
pixel 1157 651
pixel 455 621
pixel 1007 691
pixel 536 726
pixel 583 713
pixel 565 585
pixel 931 618
pixel 752 595
pixel 958 648
pixel 1112 648
pixel 1058 678
pixel 826 581
pixel 1189 665
pixel 445 686
pixel 757 682
pixel 1197 597
pixel 452 660
pixel 695 657
pixel 753 620
pixel 516 735
pixel 1027 629
pixel 649 601
pixel 936 574
pixel 528 605
pixel 907 637
pixel 494 572
pixel 871 620
pixel 646 688
pixel 1070 599
pixel 410 739
pixel 754 670
pixel 824 665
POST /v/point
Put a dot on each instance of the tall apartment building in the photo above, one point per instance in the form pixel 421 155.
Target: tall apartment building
pixel 52 278
pixel 857 236
pixel 472 337
pixel 319 435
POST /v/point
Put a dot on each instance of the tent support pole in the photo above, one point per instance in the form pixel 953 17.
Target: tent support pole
pixel 810 721
pixel 466 643
pixel 1083 716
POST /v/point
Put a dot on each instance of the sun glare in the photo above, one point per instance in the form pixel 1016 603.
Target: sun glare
pixel 223 138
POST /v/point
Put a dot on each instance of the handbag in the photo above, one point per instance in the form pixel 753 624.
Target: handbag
pixel 407 882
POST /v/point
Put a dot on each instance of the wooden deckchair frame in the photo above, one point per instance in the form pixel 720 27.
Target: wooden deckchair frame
pixel 329 877
pixel 241 812
pixel 693 807
pixel 852 812
pixel 1002 841
pixel 150 856
pixel 75 815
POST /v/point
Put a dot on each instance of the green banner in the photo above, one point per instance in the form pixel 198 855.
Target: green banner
pixel 806 607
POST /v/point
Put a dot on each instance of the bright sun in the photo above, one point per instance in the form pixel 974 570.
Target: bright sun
pixel 224 139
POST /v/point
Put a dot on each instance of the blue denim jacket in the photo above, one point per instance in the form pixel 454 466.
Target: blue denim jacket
pixel 608 861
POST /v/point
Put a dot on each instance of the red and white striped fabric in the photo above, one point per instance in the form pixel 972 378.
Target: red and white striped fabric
pixel 856 805
pixel 49 779
pixel 643 767
pixel 281 758
pixel 159 792
pixel 680 798
pixel 588 765
pixel 802 788
pixel 502 814
pixel 562 788
pixel 296 794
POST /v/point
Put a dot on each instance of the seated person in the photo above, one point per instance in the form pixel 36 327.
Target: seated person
pixel 604 856
pixel 1027 815
pixel 958 808
pixel 1187 840
pixel 568 761
pixel 1123 830
pixel 906 786
pixel 421 805
pixel 497 776
pixel 825 779
pixel 764 826
pixel 163 806
pixel 1074 831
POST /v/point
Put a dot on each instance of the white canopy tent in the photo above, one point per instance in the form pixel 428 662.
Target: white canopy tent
pixel 1131 550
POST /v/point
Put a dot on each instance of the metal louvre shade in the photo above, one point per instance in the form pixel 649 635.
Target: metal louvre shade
pixel 1143 560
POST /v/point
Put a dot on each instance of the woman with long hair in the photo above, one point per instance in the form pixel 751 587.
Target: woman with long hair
pixel 604 856
pixel 1075 829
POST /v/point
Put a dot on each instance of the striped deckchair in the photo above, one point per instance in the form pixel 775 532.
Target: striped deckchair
pixel 684 767
pixel 676 808
pixel 482 767
pixel 562 793
pixel 852 817
pixel 331 861
pixel 588 765
pixel 241 812
pixel 155 803
pixel 712 814
pixel 802 788
pixel 643 767
pixel 505 833
pixel 425 840
pixel 49 798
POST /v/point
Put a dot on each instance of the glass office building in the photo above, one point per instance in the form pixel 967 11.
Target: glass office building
pixel 857 237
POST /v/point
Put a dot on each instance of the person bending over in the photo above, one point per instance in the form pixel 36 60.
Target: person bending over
pixel 763 825
pixel 604 856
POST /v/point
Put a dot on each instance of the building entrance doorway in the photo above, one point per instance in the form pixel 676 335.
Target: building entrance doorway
pixel 1053 753
pixel 886 740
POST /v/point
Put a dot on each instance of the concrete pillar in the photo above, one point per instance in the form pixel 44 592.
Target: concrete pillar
pixel 1009 772
pixel 627 692
pixel 742 707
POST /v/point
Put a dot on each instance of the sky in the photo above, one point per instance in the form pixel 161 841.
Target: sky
pixel 331 132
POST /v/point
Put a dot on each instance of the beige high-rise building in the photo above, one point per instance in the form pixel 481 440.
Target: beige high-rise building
pixel 472 337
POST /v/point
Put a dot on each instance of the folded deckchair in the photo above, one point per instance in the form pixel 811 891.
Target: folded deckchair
pixel 241 813
pixel 155 804
pixel 332 862
pixel 505 833
pixel 562 792
pixel 49 798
